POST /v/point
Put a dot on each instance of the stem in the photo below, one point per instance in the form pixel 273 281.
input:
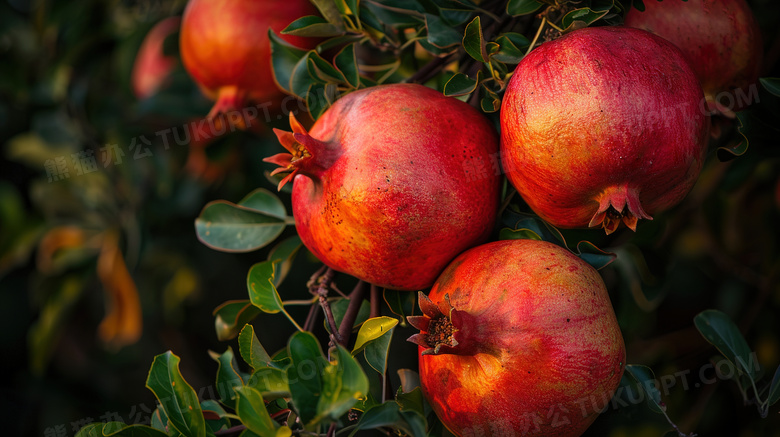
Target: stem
pixel 230 431
pixel 332 430
pixel 311 319
pixel 536 37
pixel 355 300
pixel 299 302
pixel 376 309
pixel 297 326
pixel 318 286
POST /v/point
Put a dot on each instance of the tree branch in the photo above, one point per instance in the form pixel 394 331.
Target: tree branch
pixel 355 301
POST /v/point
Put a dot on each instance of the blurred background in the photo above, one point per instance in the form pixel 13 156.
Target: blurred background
pixel 101 270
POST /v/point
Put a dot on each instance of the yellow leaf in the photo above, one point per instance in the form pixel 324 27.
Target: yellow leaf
pixel 122 324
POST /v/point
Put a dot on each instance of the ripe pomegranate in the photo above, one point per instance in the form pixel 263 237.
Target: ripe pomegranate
pixel 225 48
pixel 151 66
pixel 518 337
pixel 603 126
pixel 380 189
pixel 720 38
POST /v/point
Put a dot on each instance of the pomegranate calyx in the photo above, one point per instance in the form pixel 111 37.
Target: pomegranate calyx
pixel 299 144
pixel 436 328
pixel 618 204
pixel 229 100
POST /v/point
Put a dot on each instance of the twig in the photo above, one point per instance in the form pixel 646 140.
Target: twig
pixel 355 300
pixel 238 429
pixel 376 308
pixel 332 430
pixel 318 286
pixel 311 319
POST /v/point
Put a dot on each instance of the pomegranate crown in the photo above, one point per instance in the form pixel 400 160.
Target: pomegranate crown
pixel 618 204
pixel 435 325
pixel 299 145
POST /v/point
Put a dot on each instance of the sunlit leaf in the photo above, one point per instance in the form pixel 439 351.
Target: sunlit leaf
pixel 232 228
pixel 271 382
pixel 372 329
pixel 312 26
pixel 250 348
pixel 176 396
pixel 250 408
pixel 262 292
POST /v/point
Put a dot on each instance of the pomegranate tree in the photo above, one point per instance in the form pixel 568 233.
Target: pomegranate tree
pixel 380 191
pixel 518 337
pixel 225 47
pixel 720 38
pixel 602 126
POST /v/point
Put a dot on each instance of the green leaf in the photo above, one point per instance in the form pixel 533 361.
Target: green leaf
pixel 322 69
pixel 331 13
pixel 373 329
pixel 283 255
pixel 250 348
pixel 300 79
pixel 774 389
pixel 228 227
pixel 227 377
pixel 231 316
pixel 413 400
pixel 522 7
pixel 346 63
pixel 593 255
pixel 639 5
pixel 518 234
pixel 250 407
pixel 389 414
pixel 284 57
pixel 176 396
pixel 584 17
pixel 119 429
pixel 312 26
pixel 343 383
pixel 511 49
pixel 401 303
pixel 440 34
pixel 519 220
pixel 376 352
pixel 316 100
pixel 271 382
pixel 473 42
pixel 215 415
pixel 728 153
pixel 264 201
pixel 339 309
pixel 461 85
pixel 771 84
pixel 262 293
pixel 303 374
pixel 643 376
pixel 718 329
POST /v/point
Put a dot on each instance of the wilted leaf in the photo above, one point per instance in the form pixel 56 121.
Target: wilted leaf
pixel 123 322
pixel 176 396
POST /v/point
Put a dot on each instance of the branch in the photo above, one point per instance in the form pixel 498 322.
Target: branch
pixel 376 308
pixel 355 300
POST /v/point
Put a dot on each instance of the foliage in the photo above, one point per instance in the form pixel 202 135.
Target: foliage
pixel 110 247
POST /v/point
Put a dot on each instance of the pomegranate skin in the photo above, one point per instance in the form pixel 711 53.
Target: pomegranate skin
pixel 537 348
pixel 225 48
pixel 720 38
pixel 602 126
pixel 151 67
pixel 380 190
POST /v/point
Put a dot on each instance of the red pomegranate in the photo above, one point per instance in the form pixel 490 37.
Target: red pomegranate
pixel 518 337
pixel 720 38
pixel 380 185
pixel 225 48
pixel 151 66
pixel 601 126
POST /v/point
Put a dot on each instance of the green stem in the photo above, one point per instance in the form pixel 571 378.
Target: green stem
pixel 536 37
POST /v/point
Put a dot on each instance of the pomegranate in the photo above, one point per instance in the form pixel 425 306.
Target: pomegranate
pixel 603 126
pixel 380 190
pixel 720 38
pixel 151 66
pixel 225 48
pixel 518 337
